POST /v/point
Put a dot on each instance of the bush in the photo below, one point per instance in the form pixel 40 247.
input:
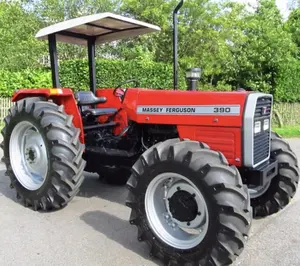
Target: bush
pixel 74 74
pixel 288 82
pixel 11 81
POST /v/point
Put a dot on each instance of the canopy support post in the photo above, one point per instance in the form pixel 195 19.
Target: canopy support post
pixel 92 64
pixel 54 60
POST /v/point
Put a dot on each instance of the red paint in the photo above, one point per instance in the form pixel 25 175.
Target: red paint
pixel 66 98
pixel 221 133
pixel 136 97
pixel 113 102
pixel 225 139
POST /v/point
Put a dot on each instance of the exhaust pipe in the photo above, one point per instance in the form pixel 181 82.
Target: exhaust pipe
pixel 175 43
pixel 193 75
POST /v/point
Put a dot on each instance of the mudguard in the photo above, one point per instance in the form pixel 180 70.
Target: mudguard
pixel 63 96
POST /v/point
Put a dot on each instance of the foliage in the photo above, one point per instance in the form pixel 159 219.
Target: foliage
pixel 54 11
pixel 18 47
pixel 74 74
pixel 293 26
pixel 234 46
pixel 11 81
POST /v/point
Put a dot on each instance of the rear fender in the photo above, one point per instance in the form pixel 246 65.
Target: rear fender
pixel 63 97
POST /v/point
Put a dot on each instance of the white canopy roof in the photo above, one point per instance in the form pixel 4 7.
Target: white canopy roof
pixel 105 27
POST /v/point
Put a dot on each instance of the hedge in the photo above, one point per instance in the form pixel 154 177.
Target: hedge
pixel 110 73
pixel 74 74
pixel 11 81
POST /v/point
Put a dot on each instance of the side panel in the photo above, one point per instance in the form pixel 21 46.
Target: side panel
pixel 221 109
pixel 223 139
pixel 215 118
pixel 59 96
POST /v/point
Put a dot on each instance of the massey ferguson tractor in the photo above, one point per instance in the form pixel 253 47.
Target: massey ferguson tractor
pixel 199 165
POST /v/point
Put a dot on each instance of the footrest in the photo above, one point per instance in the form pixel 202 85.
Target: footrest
pixel 100 111
pixel 110 124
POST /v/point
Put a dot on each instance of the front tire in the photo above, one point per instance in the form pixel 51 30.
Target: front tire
pixel 188 204
pixel 283 187
pixel 42 154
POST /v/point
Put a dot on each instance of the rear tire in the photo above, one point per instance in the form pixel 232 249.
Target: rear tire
pixel 283 187
pixel 228 213
pixel 62 162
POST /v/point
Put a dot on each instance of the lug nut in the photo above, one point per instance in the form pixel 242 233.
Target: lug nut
pixel 167 216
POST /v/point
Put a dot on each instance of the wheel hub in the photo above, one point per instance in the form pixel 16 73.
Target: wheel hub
pixel 176 210
pixel 31 155
pixel 183 206
pixel 30 159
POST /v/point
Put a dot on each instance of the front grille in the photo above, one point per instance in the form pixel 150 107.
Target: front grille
pixel 263 107
pixel 261 147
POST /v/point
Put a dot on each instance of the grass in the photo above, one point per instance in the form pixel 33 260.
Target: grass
pixel 288 131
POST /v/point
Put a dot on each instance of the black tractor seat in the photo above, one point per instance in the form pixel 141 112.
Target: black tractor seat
pixel 88 98
pixel 100 111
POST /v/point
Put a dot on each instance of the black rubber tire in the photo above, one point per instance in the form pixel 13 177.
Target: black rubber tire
pixel 228 201
pixel 116 177
pixel 283 186
pixel 64 152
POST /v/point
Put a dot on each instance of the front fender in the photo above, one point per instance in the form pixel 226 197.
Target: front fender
pixel 63 97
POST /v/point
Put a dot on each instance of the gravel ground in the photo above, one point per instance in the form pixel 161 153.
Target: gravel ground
pixel 94 230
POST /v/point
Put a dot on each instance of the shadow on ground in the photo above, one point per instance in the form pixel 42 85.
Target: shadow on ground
pixel 117 230
pixel 5 189
pixel 93 187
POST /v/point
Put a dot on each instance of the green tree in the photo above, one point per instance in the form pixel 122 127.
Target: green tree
pixel 266 49
pixel 54 11
pixel 293 25
pixel 19 48
pixel 201 42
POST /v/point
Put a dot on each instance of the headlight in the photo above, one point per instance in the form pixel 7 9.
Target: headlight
pixel 266 124
pixel 257 127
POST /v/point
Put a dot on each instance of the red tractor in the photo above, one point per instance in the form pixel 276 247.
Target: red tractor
pixel 198 165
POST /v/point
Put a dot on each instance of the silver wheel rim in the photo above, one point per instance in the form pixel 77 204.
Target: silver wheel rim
pixel 257 191
pixel 28 155
pixel 173 232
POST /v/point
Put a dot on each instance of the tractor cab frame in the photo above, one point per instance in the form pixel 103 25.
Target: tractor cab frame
pixel 90 31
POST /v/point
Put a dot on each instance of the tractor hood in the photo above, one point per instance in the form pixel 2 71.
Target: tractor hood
pixel 186 107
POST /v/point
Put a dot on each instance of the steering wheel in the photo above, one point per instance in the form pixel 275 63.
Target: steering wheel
pixel 120 92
